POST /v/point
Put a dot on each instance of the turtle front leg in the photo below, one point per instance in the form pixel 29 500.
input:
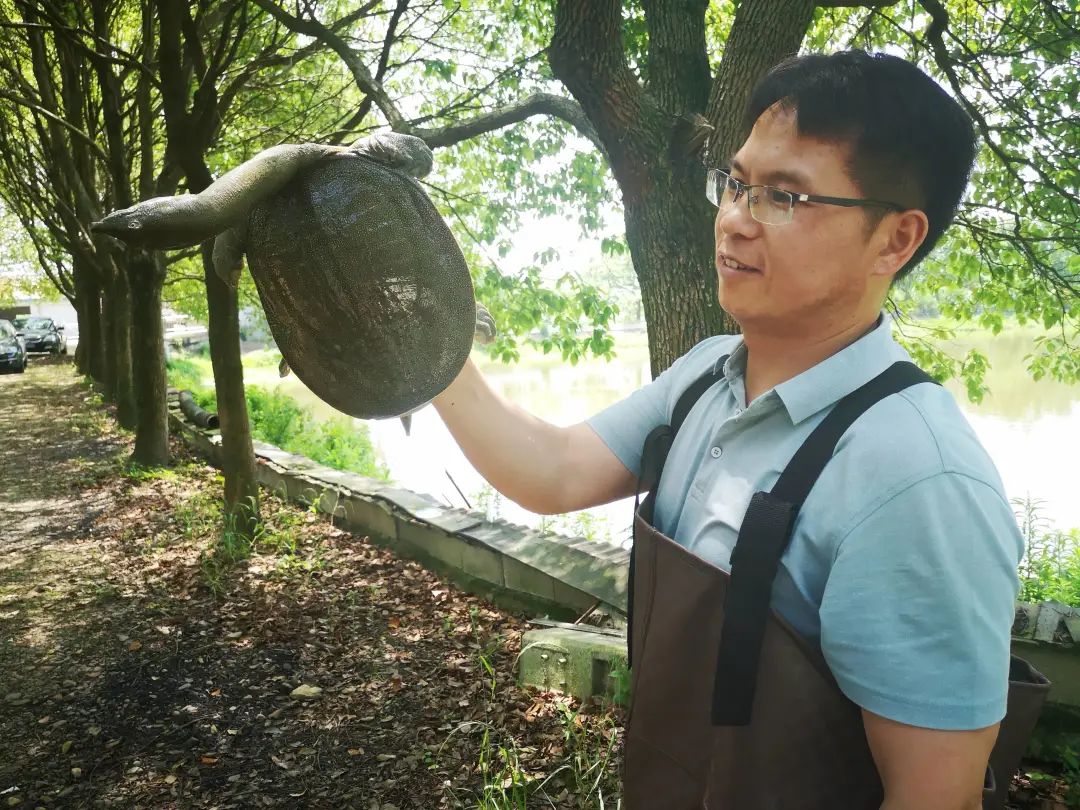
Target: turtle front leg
pixel 229 253
pixel 485 330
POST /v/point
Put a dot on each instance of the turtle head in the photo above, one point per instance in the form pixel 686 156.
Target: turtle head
pixel 129 224
pixel 405 152
pixel 161 222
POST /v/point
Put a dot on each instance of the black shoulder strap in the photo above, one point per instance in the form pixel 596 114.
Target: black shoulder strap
pixel 658 442
pixel 764 536
pixel 653 457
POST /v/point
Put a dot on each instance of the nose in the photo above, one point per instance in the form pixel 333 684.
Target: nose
pixel 735 220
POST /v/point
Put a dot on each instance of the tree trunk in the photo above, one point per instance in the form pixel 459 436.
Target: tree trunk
pixel 89 354
pixel 188 137
pixel 237 453
pixel 653 135
pixel 146 275
pixel 119 348
pixel 669 234
pixel 107 380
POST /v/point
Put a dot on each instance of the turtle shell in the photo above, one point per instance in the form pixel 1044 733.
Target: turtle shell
pixel 365 289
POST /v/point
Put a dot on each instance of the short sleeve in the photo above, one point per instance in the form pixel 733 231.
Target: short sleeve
pixel 624 425
pixel 918 607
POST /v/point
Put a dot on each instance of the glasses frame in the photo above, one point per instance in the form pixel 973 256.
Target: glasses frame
pixel 715 175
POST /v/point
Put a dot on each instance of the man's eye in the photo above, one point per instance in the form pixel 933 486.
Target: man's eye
pixel 778 196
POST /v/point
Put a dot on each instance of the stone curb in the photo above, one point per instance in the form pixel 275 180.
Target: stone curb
pixel 517 567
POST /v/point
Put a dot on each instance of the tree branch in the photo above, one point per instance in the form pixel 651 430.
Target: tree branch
pixel 586 54
pixel 762 34
pixel 361 75
pixel 856 3
pixel 56 119
pixel 535 104
pixel 678 64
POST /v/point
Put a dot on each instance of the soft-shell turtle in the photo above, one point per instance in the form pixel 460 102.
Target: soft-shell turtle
pixel 366 292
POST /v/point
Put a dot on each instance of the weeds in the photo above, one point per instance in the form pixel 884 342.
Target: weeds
pixel 593 528
pixel 232 547
pixel 620 682
pixel 591 745
pixel 1069 777
pixel 489 501
pixel 1050 568
pixel 278 420
pixel 506 786
pixel 585 777
pixel 198 515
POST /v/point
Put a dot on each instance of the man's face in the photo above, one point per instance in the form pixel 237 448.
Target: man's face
pixel 813 273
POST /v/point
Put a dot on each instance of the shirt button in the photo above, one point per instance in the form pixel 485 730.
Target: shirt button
pixel 716 452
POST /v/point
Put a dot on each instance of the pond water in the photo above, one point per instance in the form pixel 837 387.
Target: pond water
pixel 1031 429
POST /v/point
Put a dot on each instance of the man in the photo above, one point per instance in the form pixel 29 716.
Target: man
pixel 901 565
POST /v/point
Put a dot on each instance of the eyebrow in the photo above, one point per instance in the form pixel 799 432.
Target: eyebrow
pixel 775 177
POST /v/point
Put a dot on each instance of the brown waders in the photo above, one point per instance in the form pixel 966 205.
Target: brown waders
pixel 730 708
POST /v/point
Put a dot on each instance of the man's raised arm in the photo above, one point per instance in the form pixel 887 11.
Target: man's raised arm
pixel 542 467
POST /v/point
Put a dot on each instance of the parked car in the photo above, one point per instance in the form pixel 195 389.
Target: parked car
pixel 12 350
pixel 41 334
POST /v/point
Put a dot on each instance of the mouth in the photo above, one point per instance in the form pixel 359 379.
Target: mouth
pixel 725 262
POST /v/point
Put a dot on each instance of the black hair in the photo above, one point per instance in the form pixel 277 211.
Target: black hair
pixel 911 143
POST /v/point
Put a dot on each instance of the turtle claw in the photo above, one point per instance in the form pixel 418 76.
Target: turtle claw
pixel 229 254
pixel 485 325
pixel 406 152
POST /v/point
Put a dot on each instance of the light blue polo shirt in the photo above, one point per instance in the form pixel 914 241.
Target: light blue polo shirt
pixel 902 563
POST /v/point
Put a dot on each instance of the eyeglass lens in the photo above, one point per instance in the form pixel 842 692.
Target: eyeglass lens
pixel 768 205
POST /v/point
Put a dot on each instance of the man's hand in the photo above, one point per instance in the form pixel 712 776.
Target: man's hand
pixel 927 769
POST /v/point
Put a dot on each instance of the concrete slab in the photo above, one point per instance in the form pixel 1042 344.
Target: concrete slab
pixel 577 600
pixel 1051 623
pixel 430 541
pixel 483 563
pixel 411 502
pixel 577 662
pixel 1058 662
pixel 369 516
pixel 526 579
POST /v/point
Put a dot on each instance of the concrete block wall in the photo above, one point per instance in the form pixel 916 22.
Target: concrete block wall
pixel 517 567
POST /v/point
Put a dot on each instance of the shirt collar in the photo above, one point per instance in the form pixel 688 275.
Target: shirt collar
pixel 838 375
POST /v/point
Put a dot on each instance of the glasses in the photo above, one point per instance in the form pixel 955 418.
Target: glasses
pixel 771 205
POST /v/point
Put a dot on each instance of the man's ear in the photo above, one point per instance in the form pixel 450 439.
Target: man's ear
pixel 899 236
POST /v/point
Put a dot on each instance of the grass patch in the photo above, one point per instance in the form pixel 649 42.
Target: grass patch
pixel 337 443
pixel 1050 569
pixel 278 419
pixel 262 358
pixel 587 775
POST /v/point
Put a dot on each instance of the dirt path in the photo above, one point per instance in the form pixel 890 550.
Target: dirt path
pixel 136 671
